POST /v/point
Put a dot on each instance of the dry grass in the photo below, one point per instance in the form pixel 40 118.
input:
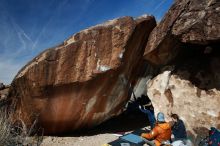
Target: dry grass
pixel 11 135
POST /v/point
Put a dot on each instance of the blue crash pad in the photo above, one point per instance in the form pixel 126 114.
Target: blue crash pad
pixel 132 138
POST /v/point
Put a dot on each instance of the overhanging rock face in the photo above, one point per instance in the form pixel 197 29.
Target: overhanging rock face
pixel 85 80
pixel 188 21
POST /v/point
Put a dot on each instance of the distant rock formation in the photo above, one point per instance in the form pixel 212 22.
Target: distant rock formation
pixel 4 93
pixel 2 86
pixel 187 41
pixel 85 80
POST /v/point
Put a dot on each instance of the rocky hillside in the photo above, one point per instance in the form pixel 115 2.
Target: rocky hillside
pixel 86 80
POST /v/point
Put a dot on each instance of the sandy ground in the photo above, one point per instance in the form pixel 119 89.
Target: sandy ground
pixel 101 134
pixel 96 140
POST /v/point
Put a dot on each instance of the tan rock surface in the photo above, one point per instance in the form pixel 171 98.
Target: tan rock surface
pixel 85 80
pixel 196 104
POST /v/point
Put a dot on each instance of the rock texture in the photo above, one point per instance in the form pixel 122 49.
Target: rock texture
pixel 187 21
pixel 188 40
pixel 175 93
pixel 190 88
pixel 85 80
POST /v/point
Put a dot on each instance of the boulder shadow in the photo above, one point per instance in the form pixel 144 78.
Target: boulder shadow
pixel 125 122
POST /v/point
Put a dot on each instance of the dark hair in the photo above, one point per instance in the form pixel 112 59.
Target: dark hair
pixel 175 116
pixel 143 96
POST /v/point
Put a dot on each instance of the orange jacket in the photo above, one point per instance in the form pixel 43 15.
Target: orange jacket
pixel 161 132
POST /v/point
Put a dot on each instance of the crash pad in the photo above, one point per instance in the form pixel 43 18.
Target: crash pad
pixel 132 138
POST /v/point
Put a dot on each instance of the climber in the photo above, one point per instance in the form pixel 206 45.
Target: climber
pixel 178 128
pixel 147 108
pixel 161 133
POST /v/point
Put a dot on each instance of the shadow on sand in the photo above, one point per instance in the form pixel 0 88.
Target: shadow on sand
pixel 123 123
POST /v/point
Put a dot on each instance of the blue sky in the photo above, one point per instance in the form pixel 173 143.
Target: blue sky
pixel 27 27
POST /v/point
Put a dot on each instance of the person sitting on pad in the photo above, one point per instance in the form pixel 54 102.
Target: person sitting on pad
pixel 160 133
pixel 178 127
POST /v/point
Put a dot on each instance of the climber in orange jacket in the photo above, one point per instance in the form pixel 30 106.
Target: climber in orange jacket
pixel 161 133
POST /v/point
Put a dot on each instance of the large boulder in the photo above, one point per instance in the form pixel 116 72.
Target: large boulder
pixel 187 39
pixel 191 95
pixel 187 21
pixel 85 80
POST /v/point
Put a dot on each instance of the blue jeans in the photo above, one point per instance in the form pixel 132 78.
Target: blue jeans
pixel 150 116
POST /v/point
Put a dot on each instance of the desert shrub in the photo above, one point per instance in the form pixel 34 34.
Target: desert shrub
pixel 13 135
